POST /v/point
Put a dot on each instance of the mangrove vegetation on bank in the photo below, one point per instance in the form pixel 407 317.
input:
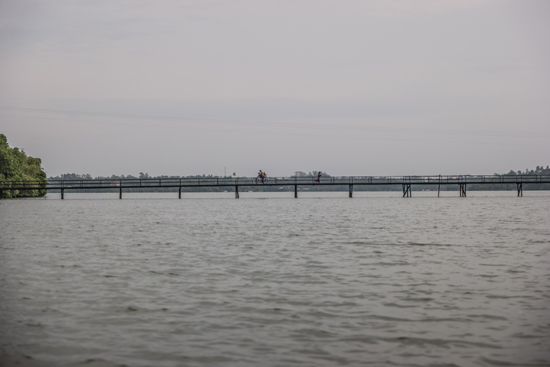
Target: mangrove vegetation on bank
pixel 16 165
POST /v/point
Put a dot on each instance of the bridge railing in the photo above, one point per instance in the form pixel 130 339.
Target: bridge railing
pixel 283 181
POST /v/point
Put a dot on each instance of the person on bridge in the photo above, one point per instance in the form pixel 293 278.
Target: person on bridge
pixel 262 175
pixel 318 179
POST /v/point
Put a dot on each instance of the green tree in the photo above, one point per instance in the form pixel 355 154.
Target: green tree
pixel 16 168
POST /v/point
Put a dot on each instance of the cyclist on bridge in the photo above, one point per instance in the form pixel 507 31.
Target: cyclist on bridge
pixel 262 176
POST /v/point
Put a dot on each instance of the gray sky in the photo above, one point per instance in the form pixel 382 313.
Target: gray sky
pixel 348 87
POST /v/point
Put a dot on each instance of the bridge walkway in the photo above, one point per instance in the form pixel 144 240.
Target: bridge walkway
pixel 235 182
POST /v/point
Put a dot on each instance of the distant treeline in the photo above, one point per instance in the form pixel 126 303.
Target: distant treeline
pixel 539 170
pixel 15 165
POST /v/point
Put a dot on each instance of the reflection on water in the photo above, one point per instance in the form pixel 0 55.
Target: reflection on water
pixel 319 281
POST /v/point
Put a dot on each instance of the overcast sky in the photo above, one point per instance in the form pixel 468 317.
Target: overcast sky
pixel 347 87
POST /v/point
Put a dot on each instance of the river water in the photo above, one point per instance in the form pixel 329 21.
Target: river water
pixel 269 280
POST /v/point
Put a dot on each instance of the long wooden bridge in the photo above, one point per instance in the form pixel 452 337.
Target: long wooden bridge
pixel 406 182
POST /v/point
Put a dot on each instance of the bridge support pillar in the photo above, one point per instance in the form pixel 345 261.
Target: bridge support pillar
pixel 407 192
pixel 62 194
pixel 1 194
pixel 236 192
pixel 438 189
pixel 120 193
pixel 462 188
pixel 296 191
pixel 520 189
pixel 350 191
pixel 179 193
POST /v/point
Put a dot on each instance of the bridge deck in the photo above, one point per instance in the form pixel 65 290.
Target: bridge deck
pixel 272 181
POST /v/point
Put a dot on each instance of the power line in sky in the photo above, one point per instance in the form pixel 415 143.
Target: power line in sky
pixel 229 123
pixel 296 125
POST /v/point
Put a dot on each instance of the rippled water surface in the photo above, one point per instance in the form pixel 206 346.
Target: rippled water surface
pixel 269 280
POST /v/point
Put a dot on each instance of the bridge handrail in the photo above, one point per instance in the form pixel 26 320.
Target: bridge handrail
pixel 308 180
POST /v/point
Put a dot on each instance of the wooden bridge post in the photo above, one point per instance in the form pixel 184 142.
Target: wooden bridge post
pixel 350 191
pixel 120 192
pixel 439 186
pixel 236 192
pixel 1 194
pixel 62 194
pixel 407 192
pixel 462 189
pixel 296 191
pixel 179 193
pixel 520 189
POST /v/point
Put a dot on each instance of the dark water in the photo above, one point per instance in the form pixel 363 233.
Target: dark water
pixel 320 281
